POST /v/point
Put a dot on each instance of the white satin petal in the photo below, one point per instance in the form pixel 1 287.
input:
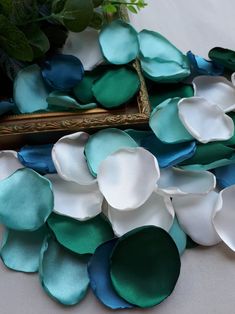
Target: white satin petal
pixel 195 213
pixel 9 163
pixel 156 211
pixel 217 90
pixel 233 79
pixel 85 46
pixel 69 159
pixel 204 121
pixel 128 177
pixel 74 200
pixel 174 181
pixel 224 217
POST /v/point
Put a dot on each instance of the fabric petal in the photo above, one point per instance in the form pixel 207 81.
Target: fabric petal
pixel 195 213
pixel 62 72
pixel 85 46
pixel 124 45
pixel 74 200
pixel 9 163
pixel 174 181
pixel 101 285
pixel 156 211
pixel 138 135
pixel 179 236
pixel 80 237
pixel 204 121
pixel 69 160
pixel 63 275
pixel 20 250
pixel 26 200
pixel 233 79
pixel 103 143
pixel 6 106
pixel 38 158
pixel 166 125
pixel 210 166
pixel 217 90
pixel 30 92
pixel 142 258
pixel 128 177
pixel 225 57
pixel 225 176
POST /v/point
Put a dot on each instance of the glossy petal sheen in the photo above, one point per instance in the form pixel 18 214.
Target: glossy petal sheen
pixel 38 158
pixel 179 236
pixel 63 274
pixel 30 92
pixel 119 42
pixel 195 213
pixel 223 56
pixel 116 87
pixel 225 176
pixel 128 177
pixel 101 285
pixel 62 72
pixel 175 181
pixel 85 46
pixel 9 163
pixel 217 90
pixel 68 157
pixel 156 211
pixel 166 125
pixel 20 250
pixel 74 200
pixel 146 260
pixel 206 122
pixel 168 154
pixel 103 143
pixel 26 200
pixel 224 216
pixel 80 237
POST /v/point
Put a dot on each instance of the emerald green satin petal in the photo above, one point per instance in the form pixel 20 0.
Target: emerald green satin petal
pixel 179 236
pixel 119 42
pixel 138 135
pixel 212 165
pixel 116 87
pixel 62 100
pixel 26 200
pixel 223 56
pixel 165 123
pixel 103 143
pixel 20 250
pixel 81 237
pixel 145 266
pixel 63 274
pixel 30 91
pixel 161 92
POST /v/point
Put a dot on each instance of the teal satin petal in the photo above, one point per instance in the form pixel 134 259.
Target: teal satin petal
pixel 210 166
pixel 138 135
pixel 26 200
pixel 20 250
pixel 166 125
pixel 119 42
pixel 179 236
pixel 103 143
pixel 63 274
pixel 64 101
pixel 30 91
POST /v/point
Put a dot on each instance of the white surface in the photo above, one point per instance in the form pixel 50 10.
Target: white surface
pixel 207 280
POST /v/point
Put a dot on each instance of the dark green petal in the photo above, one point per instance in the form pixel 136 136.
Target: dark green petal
pixel 223 56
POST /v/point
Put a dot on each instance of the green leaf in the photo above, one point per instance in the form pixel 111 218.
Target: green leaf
pixel 97 3
pixel 23 11
pixel 58 5
pixel 6 6
pixel 109 8
pixel 97 20
pixel 13 41
pixel 132 9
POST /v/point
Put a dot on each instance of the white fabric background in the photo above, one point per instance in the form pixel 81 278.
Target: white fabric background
pixel 207 279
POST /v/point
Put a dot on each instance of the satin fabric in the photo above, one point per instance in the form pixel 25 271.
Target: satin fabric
pixel 179 236
pixel 6 106
pixel 225 57
pixel 225 176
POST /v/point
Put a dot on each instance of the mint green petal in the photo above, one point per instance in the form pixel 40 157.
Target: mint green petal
pixel 20 250
pixel 165 123
pixel 119 42
pixel 30 92
pixel 138 135
pixel 26 200
pixel 103 143
pixel 179 236
pixel 82 237
pixel 63 274
pixel 64 101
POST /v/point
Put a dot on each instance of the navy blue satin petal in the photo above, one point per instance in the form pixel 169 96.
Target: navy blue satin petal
pixel 6 105
pixel 100 281
pixel 200 66
pixel 168 155
pixel 62 72
pixel 38 158
pixel 225 176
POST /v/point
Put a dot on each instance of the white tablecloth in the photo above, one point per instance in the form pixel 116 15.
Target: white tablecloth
pixel 207 279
